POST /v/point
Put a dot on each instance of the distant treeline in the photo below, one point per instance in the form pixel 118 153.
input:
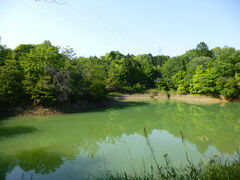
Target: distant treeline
pixel 48 75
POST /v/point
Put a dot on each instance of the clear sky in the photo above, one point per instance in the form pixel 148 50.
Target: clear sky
pixel 95 27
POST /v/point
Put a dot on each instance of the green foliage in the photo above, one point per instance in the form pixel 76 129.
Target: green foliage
pixel 227 87
pixel 47 75
pixel 129 74
pixel 116 76
pixel 202 50
pixel 114 55
pixel 146 69
pixel 160 60
pixel 178 78
pixel 182 89
pixel 22 50
pixel 11 91
pixel 203 81
pixel 192 65
pixel 171 67
pixel 93 74
pixel 238 80
pixel 237 66
pixel 5 53
pixel 227 59
pixel 43 92
pixel 159 83
pixel 37 83
pixel 179 81
pixel 189 55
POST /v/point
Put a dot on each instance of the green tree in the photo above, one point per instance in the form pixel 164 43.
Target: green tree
pixel 113 55
pixel 226 60
pixel 146 68
pixel 204 80
pixel 75 83
pixel 189 55
pixel 160 84
pixel 22 50
pixel 159 60
pixel 171 67
pixel 179 82
pixel 11 76
pixel 37 83
pixel 202 50
pixel 227 87
pixel 5 53
pixel 116 77
pixel 94 75
pixel 192 65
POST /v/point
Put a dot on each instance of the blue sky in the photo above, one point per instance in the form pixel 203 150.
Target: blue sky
pixel 95 27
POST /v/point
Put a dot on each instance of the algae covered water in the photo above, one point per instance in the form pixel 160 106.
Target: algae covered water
pixel 89 144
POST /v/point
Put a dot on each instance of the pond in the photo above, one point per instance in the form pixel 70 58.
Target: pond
pixel 93 143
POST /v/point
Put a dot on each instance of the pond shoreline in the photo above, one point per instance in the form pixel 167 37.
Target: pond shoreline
pixel 79 106
pixel 116 138
pixel 190 98
pixel 108 101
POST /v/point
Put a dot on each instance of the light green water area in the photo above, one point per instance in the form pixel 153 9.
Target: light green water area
pixel 82 145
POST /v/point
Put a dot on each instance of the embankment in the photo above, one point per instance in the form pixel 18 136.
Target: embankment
pixel 110 100
pixel 190 98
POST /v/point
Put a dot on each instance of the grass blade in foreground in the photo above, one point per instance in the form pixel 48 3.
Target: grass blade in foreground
pixel 215 168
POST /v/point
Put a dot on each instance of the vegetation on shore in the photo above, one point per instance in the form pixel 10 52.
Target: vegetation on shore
pixel 47 75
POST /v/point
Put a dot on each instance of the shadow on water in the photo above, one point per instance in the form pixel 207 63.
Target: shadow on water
pixel 77 107
pixel 86 107
pixel 39 160
pixel 2 118
pixel 8 131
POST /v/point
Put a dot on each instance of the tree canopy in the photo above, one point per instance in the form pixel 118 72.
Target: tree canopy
pixel 46 75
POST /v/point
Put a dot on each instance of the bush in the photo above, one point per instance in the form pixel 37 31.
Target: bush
pixel 181 89
pixel 159 83
pixel 227 87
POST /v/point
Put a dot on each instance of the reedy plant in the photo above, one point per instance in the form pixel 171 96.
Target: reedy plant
pixel 214 169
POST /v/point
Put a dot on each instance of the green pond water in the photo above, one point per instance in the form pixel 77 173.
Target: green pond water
pixel 80 145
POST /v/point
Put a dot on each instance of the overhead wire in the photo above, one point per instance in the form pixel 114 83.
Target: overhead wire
pixel 103 26
pixel 121 27
pixel 113 40
pixel 55 17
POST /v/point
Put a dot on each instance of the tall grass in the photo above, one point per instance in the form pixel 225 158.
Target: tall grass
pixel 214 169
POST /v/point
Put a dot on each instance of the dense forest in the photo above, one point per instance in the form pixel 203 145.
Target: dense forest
pixel 47 75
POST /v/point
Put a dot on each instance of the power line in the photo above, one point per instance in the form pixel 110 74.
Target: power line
pixel 111 40
pixel 104 27
pixel 56 18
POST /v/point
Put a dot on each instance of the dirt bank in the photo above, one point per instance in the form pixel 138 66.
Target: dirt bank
pixel 79 106
pixel 137 97
pixel 194 98
pixel 191 98
pixel 110 100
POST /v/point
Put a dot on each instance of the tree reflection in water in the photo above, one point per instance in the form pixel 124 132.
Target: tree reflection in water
pixel 44 144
